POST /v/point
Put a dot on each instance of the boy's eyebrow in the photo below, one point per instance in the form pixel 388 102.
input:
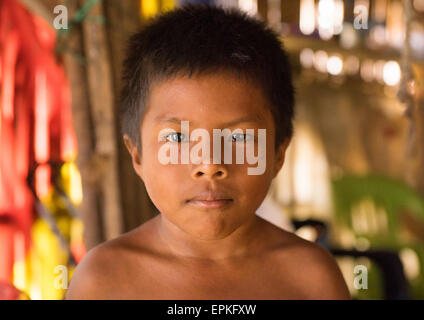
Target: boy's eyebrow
pixel 176 120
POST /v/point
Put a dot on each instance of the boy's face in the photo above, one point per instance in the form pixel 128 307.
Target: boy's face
pixel 208 102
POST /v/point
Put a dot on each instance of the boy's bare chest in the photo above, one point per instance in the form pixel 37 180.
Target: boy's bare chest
pixel 170 281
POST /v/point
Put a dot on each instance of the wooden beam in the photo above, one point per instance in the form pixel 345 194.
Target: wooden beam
pixel 101 96
pixel 122 20
pixel 76 74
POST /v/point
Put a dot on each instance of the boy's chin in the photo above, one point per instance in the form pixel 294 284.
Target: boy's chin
pixel 211 229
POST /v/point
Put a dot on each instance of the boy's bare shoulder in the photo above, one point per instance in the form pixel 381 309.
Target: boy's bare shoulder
pixel 92 277
pixel 105 266
pixel 310 267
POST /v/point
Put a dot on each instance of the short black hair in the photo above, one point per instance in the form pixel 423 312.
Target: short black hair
pixel 201 39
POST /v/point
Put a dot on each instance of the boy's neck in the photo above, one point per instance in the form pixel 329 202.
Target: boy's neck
pixel 239 243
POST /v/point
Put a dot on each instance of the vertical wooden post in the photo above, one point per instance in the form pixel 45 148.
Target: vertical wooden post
pixel 263 9
pixel 290 11
pixel 101 97
pixel 416 155
pixel 75 72
pixel 122 20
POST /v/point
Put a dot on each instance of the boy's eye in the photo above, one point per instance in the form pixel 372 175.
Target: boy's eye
pixel 241 137
pixel 175 137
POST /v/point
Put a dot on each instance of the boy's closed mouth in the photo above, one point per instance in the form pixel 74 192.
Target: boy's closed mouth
pixel 210 200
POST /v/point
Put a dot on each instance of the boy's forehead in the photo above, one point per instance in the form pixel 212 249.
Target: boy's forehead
pixel 166 118
pixel 212 97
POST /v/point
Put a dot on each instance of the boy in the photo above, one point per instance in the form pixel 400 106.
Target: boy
pixel 207 69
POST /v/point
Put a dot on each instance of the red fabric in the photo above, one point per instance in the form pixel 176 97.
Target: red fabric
pixel 8 292
pixel 35 119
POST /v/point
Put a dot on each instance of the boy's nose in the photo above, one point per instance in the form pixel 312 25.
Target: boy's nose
pixel 210 171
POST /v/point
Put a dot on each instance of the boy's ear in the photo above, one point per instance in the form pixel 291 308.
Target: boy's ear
pixel 281 153
pixel 135 156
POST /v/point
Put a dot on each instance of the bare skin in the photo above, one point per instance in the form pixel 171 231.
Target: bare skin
pixel 282 266
pixel 191 252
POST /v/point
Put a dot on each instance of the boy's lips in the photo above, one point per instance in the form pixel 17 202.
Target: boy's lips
pixel 210 199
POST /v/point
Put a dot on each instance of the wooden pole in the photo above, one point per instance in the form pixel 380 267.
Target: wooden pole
pixel 101 97
pixel 122 20
pixel 76 74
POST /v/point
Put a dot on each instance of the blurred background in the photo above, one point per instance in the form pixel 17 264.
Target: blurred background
pixel 353 180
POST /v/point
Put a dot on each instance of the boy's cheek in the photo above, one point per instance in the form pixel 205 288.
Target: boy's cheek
pixel 164 182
